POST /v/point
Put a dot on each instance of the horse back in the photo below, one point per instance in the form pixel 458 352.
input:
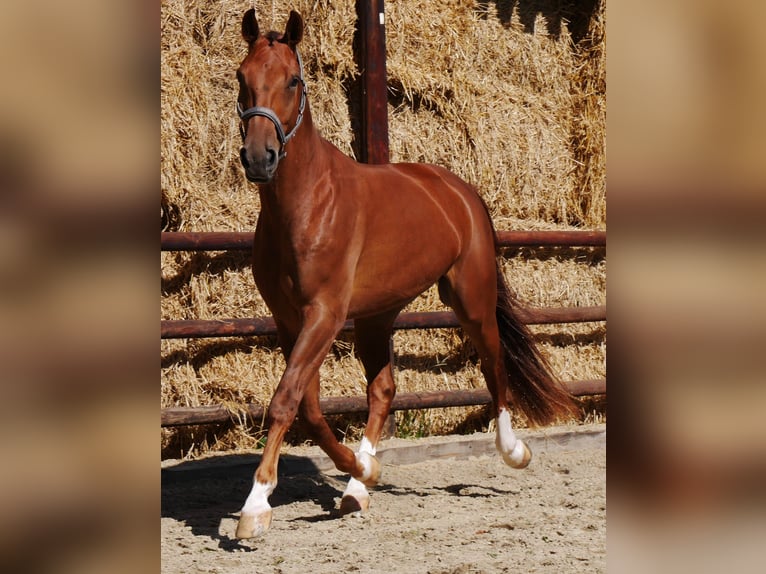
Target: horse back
pixel 416 221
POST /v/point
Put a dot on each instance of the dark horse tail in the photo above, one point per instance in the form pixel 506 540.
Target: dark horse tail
pixel 535 390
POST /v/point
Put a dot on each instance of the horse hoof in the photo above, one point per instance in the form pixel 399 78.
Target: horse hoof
pixel 253 525
pixel 372 469
pixel 350 504
pixel 518 461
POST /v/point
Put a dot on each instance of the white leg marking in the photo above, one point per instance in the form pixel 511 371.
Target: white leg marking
pixel 257 501
pixel 255 518
pixel 366 450
pixel 366 446
pixel 505 439
pixel 511 448
pixel 355 488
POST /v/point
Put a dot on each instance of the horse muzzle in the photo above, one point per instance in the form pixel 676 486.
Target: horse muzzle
pixel 260 167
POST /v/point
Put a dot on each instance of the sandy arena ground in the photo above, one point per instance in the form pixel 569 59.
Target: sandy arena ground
pixel 444 506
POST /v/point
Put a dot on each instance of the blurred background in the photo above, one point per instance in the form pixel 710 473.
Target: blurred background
pixel 687 196
pixel 79 143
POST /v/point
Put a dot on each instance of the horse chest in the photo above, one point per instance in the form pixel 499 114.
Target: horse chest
pixel 297 267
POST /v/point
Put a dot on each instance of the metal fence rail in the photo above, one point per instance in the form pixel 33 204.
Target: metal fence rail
pixel 240 240
pixel 265 326
pixel 178 416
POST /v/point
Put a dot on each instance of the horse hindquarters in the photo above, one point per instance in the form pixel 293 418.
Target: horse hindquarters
pixel 512 366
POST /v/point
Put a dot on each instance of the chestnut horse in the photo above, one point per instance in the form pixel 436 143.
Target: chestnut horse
pixel 337 239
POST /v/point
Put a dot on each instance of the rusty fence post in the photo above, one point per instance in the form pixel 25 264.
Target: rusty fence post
pixel 372 45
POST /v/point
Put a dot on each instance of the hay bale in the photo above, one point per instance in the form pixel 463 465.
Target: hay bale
pixel 513 103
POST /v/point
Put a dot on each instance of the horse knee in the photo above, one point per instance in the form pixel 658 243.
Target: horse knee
pixel 280 414
pixel 382 390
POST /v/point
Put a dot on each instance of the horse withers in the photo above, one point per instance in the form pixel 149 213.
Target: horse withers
pixel 339 240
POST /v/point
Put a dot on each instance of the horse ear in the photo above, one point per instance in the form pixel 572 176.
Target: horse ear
pixel 250 27
pixel 294 29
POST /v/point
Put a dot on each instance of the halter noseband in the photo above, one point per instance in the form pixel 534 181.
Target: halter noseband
pixel 268 113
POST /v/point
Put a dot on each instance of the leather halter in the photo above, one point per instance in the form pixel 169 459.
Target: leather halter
pixel 268 113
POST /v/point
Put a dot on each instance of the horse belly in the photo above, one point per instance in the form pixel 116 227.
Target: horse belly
pixel 393 274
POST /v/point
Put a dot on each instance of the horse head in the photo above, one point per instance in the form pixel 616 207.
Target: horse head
pixel 272 95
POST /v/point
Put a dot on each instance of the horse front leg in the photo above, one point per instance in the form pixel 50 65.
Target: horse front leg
pixel 344 458
pixel 320 326
pixel 311 346
pixel 255 517
pixel 374 347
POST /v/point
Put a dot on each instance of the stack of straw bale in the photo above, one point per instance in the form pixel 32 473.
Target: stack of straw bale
pixel 512 102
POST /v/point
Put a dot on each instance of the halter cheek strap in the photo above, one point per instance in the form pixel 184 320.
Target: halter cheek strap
pixel 268 113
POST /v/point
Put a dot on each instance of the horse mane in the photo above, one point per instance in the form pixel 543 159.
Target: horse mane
pixel 273 37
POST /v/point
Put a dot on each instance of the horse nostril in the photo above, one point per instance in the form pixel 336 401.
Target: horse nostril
pixel 271 156
pixel 243 158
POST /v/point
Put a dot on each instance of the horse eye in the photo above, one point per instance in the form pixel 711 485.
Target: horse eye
pixel 294 82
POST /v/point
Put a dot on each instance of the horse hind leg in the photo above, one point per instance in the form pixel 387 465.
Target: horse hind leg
pixel 474 303
pixel 373 345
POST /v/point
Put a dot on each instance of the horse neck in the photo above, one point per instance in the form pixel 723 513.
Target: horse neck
pixel 303 165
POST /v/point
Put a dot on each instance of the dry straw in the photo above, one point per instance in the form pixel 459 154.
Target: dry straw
pixel 512 102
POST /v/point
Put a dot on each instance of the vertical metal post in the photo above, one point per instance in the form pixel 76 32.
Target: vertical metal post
pixel 374 136
pixel 374 125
